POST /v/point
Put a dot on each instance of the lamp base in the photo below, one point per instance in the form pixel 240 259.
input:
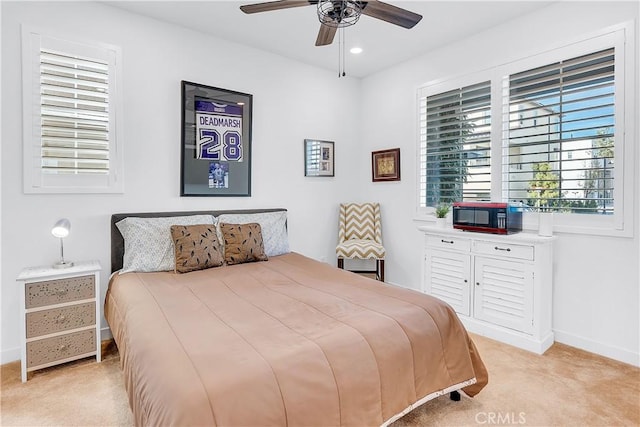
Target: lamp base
pixel 63 264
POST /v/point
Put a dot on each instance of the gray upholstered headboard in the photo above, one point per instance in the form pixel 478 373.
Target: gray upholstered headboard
pixel 117 241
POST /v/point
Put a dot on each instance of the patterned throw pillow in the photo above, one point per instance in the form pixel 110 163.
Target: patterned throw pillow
pixel 196 247
pixel 147 241
pixel 242 243
pixel 273 225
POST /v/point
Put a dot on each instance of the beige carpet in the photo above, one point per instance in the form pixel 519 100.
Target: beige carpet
pixel 564 387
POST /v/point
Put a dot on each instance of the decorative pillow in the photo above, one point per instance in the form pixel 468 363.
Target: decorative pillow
pixel 242 243
pixel 273 225
pixel 147 241
pixel 196 247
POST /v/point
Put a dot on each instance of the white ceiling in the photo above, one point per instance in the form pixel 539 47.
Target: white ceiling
pixel 292 32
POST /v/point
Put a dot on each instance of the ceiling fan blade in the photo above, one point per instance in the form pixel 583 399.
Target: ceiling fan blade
pixel 390 13
pixel 274 5
pixel 325 35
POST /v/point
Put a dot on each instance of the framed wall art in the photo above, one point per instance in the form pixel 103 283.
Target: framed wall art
pixel 385 165
pixel 216 141
pixel 319 158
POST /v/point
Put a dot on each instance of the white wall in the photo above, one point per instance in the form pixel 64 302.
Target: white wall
pixel 596 282
pixel 292 102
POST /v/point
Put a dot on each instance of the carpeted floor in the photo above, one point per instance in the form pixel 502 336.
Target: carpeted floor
pixel 564 387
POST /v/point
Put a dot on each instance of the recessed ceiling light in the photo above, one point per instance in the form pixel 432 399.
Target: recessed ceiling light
pixel 356 50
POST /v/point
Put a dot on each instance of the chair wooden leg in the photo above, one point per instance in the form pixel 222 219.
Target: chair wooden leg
pixel 380 270
pixel 341 263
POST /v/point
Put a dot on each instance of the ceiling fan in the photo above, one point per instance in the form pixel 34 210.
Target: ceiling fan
pixel 334 14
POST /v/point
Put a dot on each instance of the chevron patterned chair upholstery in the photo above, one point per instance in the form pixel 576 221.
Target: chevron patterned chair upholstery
pixel 360 235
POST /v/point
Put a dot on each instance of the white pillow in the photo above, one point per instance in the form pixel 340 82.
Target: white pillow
pixel 273 225
pixel 147 241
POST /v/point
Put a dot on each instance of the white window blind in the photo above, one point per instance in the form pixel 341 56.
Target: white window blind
pixel 71 95
pixel 561 131
pixel 74 103
pixel 455 146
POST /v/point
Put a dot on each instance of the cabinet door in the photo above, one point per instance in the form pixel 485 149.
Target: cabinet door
pixel 503 293
pixel 447 278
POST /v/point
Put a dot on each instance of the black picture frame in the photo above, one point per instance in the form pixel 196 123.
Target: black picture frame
pixel 215 155
pixel 319 158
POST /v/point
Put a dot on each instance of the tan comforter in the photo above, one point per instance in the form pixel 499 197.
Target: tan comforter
pixel 290 341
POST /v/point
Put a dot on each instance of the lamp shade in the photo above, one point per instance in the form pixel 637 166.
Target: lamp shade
pixel 61 228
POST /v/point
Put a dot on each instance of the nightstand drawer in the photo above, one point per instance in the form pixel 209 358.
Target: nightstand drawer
pixel 50 350
pixel 39 294
pixel 60 319
pixel 505 250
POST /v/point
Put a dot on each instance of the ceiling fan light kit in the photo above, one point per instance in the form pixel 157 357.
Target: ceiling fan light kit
pixel 338 14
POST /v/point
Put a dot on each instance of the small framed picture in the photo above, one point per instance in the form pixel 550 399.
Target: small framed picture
pixel 385 165
pixel 318 158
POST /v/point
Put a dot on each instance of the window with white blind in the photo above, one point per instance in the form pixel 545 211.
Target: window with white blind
pixel 71 142
pixel 561 135
pixel 547 131
pixel 455 157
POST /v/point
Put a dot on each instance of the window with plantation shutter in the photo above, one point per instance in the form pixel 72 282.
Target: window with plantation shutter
pixel 552 131
pixel 561 133
pixel 71 138
pixel 455 145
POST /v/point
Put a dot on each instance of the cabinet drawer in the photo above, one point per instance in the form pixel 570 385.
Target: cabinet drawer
pixel 505 250
pixel 446 242
pixel 50 350
pixel 39 294
pixel 60 319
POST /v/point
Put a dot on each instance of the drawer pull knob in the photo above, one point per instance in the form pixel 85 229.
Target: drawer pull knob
pixel 60 292
pixel 61 318
pixel 446 241
pixel 63 347
pixel 497 248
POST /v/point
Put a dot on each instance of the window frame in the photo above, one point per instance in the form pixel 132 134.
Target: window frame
pixel 622 38
pixel 34 180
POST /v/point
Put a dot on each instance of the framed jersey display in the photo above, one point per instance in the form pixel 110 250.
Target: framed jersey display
pixel 216 141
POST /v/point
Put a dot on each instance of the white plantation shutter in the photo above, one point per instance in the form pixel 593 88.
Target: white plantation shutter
pixel 561 135
pixel 455 145
pixel 71 142
pixel 74 105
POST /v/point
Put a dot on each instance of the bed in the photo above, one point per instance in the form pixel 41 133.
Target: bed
pixel 286 341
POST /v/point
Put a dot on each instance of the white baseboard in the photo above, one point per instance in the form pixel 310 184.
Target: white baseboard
pixel 13 354
pixel 10 355
pixel 527 342
pixel 610 351
pixel 105 334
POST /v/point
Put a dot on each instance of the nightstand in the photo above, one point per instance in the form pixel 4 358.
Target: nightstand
pixel 59 315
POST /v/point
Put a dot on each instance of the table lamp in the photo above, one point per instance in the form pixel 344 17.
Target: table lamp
pixel 61 230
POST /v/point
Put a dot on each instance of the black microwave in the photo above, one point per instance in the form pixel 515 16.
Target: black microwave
pixel 487 217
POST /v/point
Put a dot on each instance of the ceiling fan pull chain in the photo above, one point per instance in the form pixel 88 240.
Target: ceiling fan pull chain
pixel 341 57
pixel 339 37
pixel 344 62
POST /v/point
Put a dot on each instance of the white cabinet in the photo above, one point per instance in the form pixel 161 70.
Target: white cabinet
pixel 500 286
